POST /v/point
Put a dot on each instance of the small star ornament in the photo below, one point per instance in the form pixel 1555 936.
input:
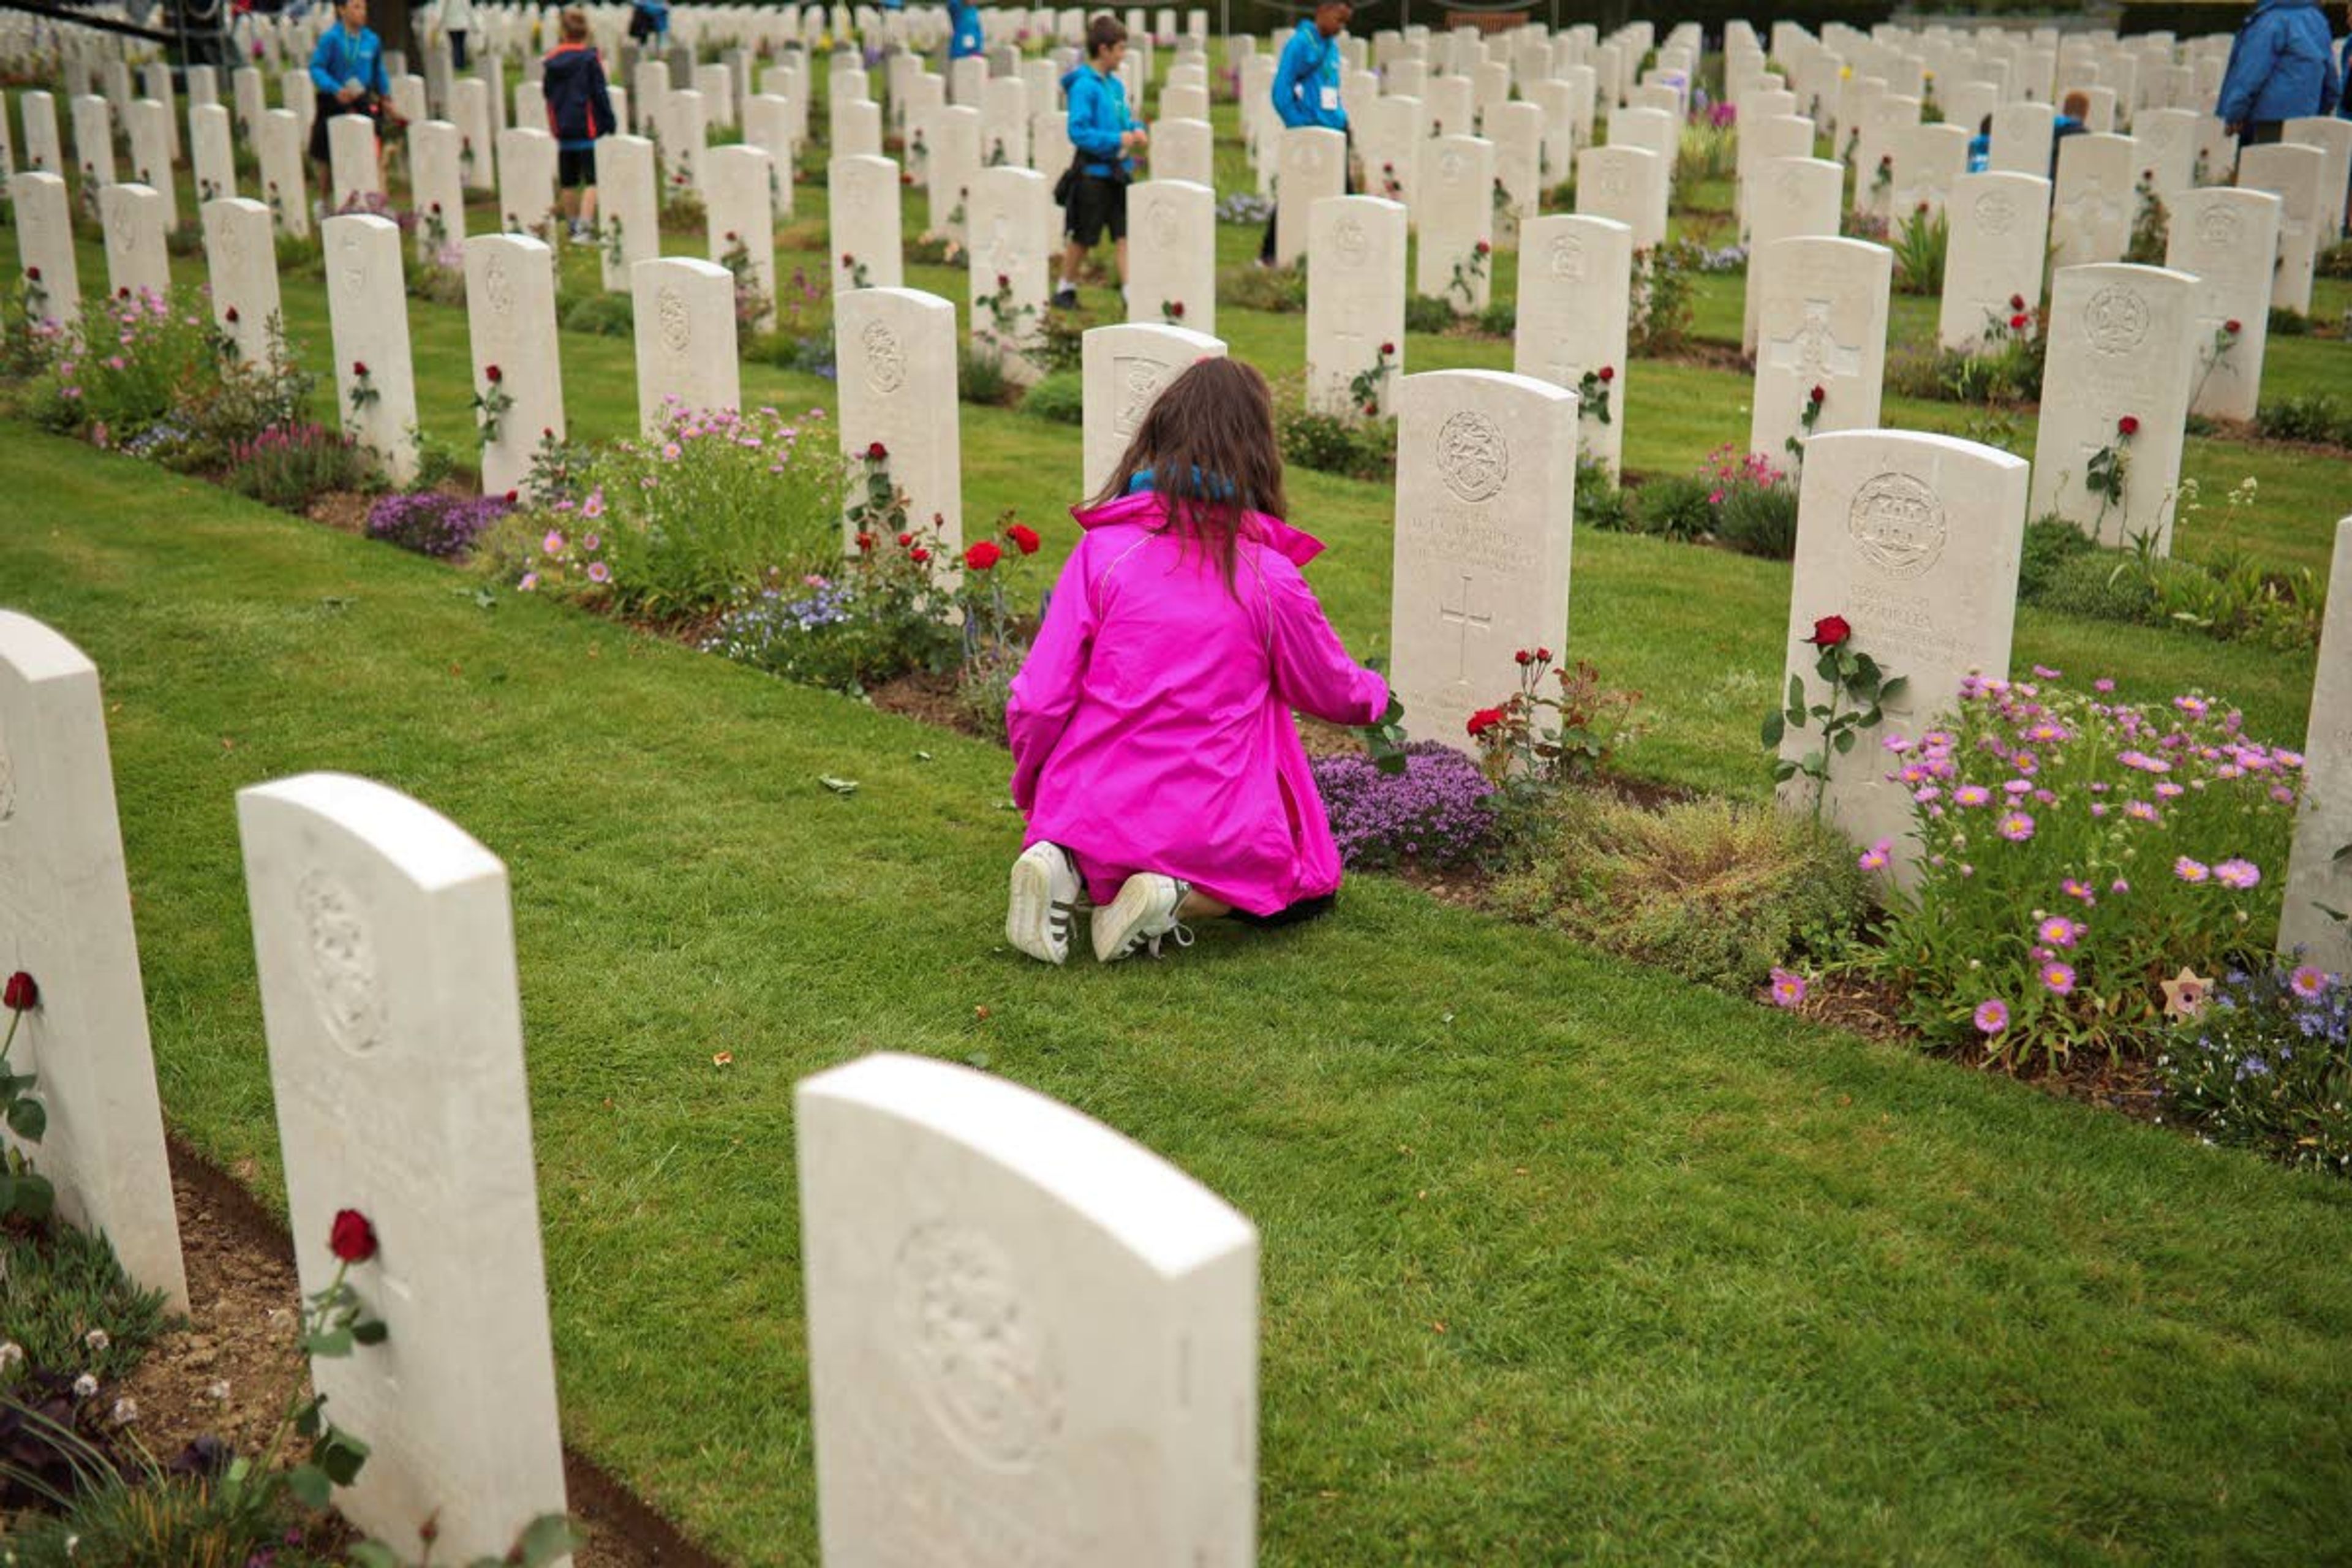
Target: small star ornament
pixel 2184 993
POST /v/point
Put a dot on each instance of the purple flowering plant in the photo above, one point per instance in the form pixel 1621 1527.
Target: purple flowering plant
pixel 2075 850
pixel 2265 1062
pixel 1438 812
pixel 432 523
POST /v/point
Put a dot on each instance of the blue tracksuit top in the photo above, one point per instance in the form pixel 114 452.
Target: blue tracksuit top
pixel 343 57
pixel 967 40
pixel 1307 80
pixel 1098 117
pixel 2281 66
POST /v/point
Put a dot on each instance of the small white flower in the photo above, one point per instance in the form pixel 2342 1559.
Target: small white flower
pixel 85 1386
pixel 125 1411
pixel 12 1355
pixel 218 1391
pixel 97 1339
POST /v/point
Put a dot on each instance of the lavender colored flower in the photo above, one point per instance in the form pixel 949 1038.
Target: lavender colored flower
pixel 431 524
pixel 1437 810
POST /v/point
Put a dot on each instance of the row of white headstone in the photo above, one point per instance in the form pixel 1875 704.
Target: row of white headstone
pixel 1022 1326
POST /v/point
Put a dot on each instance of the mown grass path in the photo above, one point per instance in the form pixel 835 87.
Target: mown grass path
pixel 1563 1260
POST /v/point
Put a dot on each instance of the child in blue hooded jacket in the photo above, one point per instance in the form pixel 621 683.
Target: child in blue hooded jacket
pixel 2281 68
pixel 966 38
pixel 1103 135
pixel 1306 88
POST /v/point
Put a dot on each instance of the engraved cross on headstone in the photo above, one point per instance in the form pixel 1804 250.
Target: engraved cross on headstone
pixel 1813 346
pixel 1466 620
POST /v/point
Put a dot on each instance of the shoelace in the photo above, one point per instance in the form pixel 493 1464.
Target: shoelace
pixel 1179 931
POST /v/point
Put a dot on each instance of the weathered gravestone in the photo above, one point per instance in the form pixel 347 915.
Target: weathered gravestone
pixel 2096 198
pixel 1485 500
pixel 896 352
pixel 527 173
pixel 684 312
pixel 1012 234
pixel 42 149
pixel 352 168
pixel 241 261
pixel 1355 305
pixel 44 246
pixel 1313 167
pixel 283 186
pixel 1913 540
pixel 1172 263
pixel 2119 346
pixel 628 207
pixel 739 223
pixel 93 129
pixel 1454 210
pixel 2319 872
pixel 2227 239
pixel 2000 226
pixel 1575 276
pixel 1798 198
pixel 862 208
pixel 1030 1340
pixel 2296 176
pixel 1124 370
pixel 66 921
pixel 1820 326
pixel 438 189
pixel 367 314
pixel 137 263
pixel 518 379
pixel 2333 137
pixel 212 149
pixel 385 946
pixel 1625 184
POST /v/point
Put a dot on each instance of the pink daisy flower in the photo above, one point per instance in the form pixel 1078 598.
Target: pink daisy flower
pixel 2059 932
pixel 2017 827
pixel 2237 873
pixel 2308 980
pixel 2058 978
pixel 1992 1015
pixel 1788 988
pixel 2189 870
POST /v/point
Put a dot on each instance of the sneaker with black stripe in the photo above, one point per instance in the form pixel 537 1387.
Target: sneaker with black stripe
pixel 1143 913
pixel 1044 902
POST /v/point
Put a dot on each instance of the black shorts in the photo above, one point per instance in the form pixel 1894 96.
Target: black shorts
pixel 1097 203
pixel 574 167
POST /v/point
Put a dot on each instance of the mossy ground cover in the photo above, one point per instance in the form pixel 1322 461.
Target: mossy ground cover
pixel 1562 1258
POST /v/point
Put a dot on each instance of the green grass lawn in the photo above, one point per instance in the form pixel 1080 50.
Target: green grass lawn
pixel 1563 1258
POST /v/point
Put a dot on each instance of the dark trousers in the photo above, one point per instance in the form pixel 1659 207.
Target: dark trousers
pixel 457 49
pixel 2262 133
pixel 1347 183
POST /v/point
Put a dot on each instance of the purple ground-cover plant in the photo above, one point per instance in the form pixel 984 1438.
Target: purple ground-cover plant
pixel 442 526
pixel 1435 812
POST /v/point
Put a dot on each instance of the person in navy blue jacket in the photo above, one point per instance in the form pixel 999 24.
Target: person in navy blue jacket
pixel 347 69
pixel 1103 136
pixel 579 110
pixel 2282 66
pixel 966 38
pixel 1307 86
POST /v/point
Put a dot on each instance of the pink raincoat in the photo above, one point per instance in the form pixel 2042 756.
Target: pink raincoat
pixel 1151 725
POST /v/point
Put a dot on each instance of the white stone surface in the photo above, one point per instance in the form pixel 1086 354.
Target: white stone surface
pixel 66 922
pixel 241 261
pixel 628 207
pixel 511 318
pixel 1915 539
pixel 862 208
pixel 45 244
pixel 285 187
pixel 1030 1340
pixel 1013 240
pixel 137 263
pixel 2319 877
pixel 2001 228
pixel 469 110
pixel 351 166
pixel 1313 167
pixel 1575 276
pixel 2119 345
pixel 1182 150
pixel 1796 198
pixel 367 314
pixel 684 310
pixel 2091 220
pixel 211 148
pixel 1172 260
pixel 1485 500
pixel 2334 137
pixel 1124 371
pixel 737 211
pixel 1453 211
pixel 43 151
pixel 1626 185
pixel 438 189
pixel 2297 175
pixel 896 352
pixel 1355 300
pixel 93 129
pixel 1820 322
pixel 2228 239
pixel 385 946
pixel 527 173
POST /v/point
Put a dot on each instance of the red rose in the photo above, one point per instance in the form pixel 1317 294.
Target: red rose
pixel 1003 282
pixel 32 273
pixel 1371 408
pixel 906 541
pixel 2232 326
pixel 1484 248
pixel 21 995
pixel 866 544
pixel 437 209
pixel 2127 426
pixel 1886 161
pixel 232 316
pixel 984 554
pixel 122 293
pixel 1543 654
pixel 1387 349
pixel 1025 538
pixel 513 496
pixel 353 1239
pixel 1483 720
pixel 2018 323
pixel 1819 396
pixel 359 368
pixel 493 374
pixel 876 452
pixel 1830 631
pixel 1608 373
pixel 1522 656
pixel 1176 309
pixel 848 259
pixel 919 555
pixel 2017 301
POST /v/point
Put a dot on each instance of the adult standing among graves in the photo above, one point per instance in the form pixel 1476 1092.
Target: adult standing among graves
pixel 347 69
pixel 2281 68
pixel 965 38
pixel 1103 135
pixel 648 19
pixel 1153 748
pixel 579 110
pixel 457 21
pixel 1307 86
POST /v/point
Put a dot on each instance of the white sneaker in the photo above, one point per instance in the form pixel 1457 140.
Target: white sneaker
pixel 1045 898
pixel 1144 911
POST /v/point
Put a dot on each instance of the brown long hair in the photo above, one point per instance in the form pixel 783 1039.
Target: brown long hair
pixel 1209 442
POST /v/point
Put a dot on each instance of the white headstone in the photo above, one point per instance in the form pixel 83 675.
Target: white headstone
pixel 1453 208
pixel 628 207
pixel 1004 124
pixel 1625 184
pixel 66 922
pixel 950 157
pixel 511 318
pixel 1389 134
pixel 527 175
pixel 42 150
pixel 1355 304
pixel 2334 137
pixel 44 246
pixel 1796 198
pixel 93 128
pixel 1820 325
pixel 1173 262
pixel 768 125
pixel 2319 876
pixel 387 950
pixel 351 161
pixel 469 110
pixel 1914 540
pixel 2120 349
pixel 241 260
pixel 2297 175
pixel 212 149
pixel 862 206
pixel 1013 236
pixel 1313 166
pixel 896 349
pixel 2000 227
pixel 1575 274
pixel 137 263
pixel 857 127
pixel 1042 1331
pixel 1180 150
pixel 739 219
pixel 1126 368
pixel 685 320
pixel 2097 200
pixel 367 311
pixel 1485 499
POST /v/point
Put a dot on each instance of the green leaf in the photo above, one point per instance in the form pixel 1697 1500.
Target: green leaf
pixel 370 1332
pixel 310 1486
pixel 1796 694
pixel 36 1197
pixel 27 1118
pixel 333 1343
pixel 309 1419
pixel 1775 726
pixel 373 1554
pixel 544 1540
pixel 339 1454
pixel 1783 772
pixel 1844 742
pixel 1893 689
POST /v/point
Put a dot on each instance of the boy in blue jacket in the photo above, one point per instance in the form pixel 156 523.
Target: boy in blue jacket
pixel 347 70
pixel 579 110
pixel 966 38
pixel 1103 135
pixel 1307 86
pixel 2282 66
